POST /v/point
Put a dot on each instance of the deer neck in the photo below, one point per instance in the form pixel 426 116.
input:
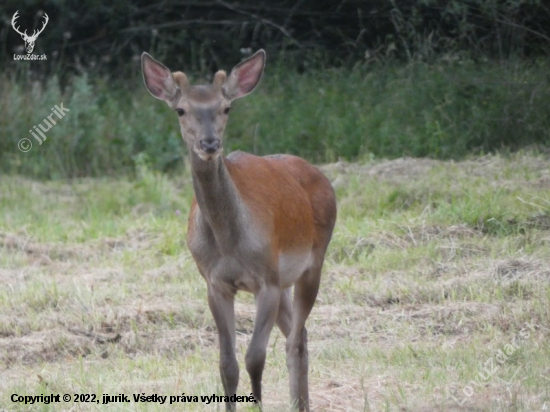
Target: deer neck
pixel 218 199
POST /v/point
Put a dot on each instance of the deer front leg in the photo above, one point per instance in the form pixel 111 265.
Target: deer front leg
pixel 223 311
pixel 267 307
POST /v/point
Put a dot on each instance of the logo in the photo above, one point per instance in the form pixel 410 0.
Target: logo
pixel 29 40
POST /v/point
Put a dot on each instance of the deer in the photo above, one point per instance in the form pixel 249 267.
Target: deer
pixel 29 40
pixel 256 224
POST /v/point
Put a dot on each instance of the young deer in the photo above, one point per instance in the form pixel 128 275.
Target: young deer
pixel 258 224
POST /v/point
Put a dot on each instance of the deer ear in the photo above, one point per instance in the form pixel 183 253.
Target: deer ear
pixel 158 79
pixel 245 76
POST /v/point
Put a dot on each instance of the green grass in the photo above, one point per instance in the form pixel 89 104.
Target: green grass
pixel 445 110
pixel 434 267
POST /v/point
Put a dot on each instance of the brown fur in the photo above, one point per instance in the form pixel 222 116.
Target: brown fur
pixel 258 224
pixel 271 187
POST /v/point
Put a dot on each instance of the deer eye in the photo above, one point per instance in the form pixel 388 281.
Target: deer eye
pixel 180 112
pixel 226 110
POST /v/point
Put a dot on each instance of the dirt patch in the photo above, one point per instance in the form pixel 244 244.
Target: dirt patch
pixel 540 221
pixel 417 235
pixel 407 169
pixel 45 346
pixel 44 254
pixel 155 327
pixel 397 170
pixel 516 269
pixel 39 253
pixel 402 167
pixel 54 345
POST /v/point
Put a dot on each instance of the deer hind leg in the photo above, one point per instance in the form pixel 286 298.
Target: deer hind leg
pixel 284 318
pixel 267 307
pixel 223 311
pixel 305 293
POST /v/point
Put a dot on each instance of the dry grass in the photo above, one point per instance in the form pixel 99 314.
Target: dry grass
pixel 434 267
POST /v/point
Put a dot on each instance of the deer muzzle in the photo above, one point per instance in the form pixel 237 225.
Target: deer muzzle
pixel 210 145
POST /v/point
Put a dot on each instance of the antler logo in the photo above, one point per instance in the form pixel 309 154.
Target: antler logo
pixel 29 40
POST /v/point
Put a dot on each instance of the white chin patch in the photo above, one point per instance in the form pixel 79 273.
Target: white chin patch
pixel 206 156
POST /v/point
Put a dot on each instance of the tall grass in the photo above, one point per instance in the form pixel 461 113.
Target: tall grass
pixel 442 110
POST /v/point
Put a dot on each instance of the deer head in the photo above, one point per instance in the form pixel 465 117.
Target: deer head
pixel 29 40
pixel 202 110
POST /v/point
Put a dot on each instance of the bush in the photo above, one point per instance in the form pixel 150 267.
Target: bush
pixel 442 110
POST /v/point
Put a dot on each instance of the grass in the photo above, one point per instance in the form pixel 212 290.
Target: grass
pixel 445 110
pixel 434 267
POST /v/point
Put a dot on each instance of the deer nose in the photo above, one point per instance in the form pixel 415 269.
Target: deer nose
pixel 210 145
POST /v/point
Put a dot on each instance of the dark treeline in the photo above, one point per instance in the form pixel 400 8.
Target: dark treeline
pixel 344 79
pixel 103 36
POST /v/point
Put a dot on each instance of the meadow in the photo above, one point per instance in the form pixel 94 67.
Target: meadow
pixel 435 294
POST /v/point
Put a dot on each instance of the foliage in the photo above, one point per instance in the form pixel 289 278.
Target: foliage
pixel 344 79
pixel 445 109
pixel 106 37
